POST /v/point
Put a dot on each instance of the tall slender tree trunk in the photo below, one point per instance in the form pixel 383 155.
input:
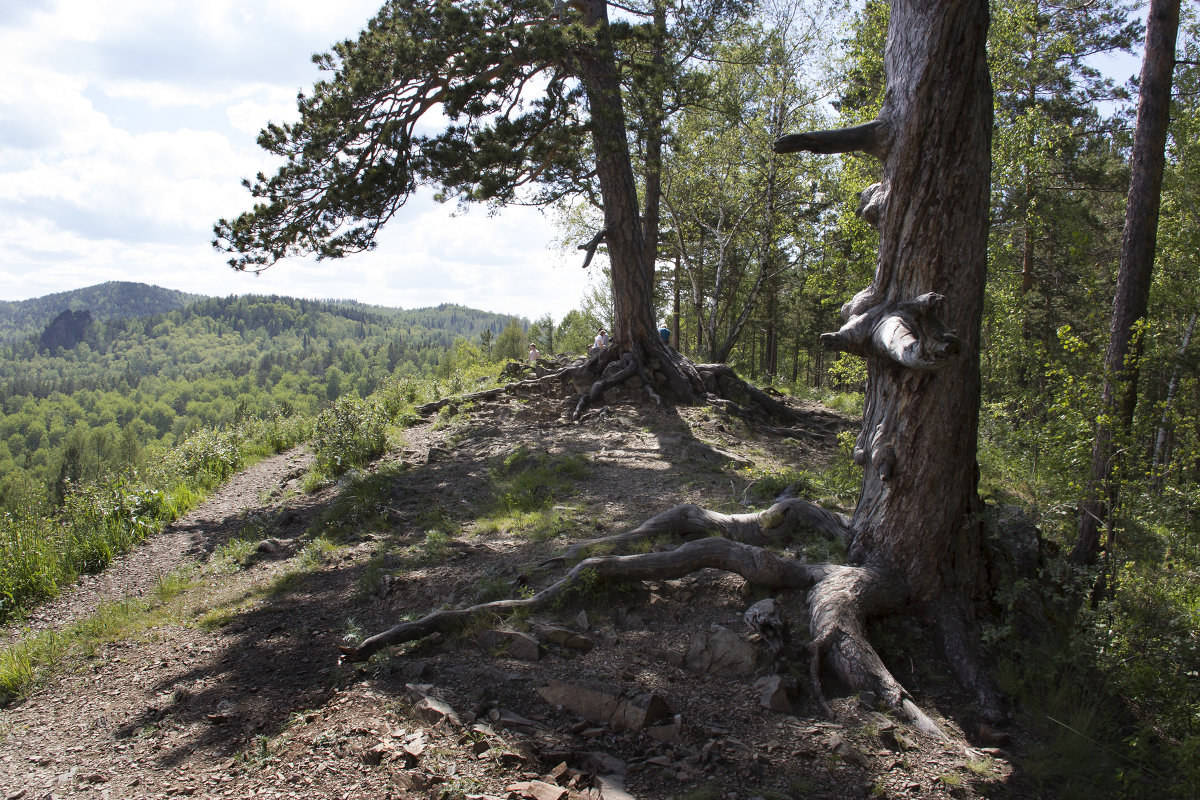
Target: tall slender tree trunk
pixel 652 173
pixel 1138 244
pixel 1161 451
pixel 632 277
pixel 675 311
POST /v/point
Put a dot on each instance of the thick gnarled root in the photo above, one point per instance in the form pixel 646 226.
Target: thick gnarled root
pixel 779 524
pixel 755 564
pixel 839 606
pixel 840 598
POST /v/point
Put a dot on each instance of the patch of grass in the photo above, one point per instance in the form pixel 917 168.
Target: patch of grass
pixel 364 500
pixel 437 518
pixel 352 632
pixel 701 793
pixel 803 786
pixel 637 548
pixel 368 582
pixel 173 584
pixel 217 618
pixel 215 612
pixel 28 662
pixel 258 753
pixel 592 591
pixel 766 485
pixel 1076 721
pixel 435 548
pixel 452 415
pixel 538 525
pixel 311 555
pixel 381 664
pixel 460 787
pixel 233 555
pixel 836 484
pixel 820 551
pixel 849 403
pixel 303 564
pixel 528 481
pixel 984 768
pixel 952 780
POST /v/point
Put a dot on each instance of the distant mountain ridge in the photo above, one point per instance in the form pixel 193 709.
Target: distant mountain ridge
pixel 130 300
pixel 111 300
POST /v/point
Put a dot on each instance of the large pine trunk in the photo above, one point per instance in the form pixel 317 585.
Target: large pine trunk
pixel 917 525
pixel 918 511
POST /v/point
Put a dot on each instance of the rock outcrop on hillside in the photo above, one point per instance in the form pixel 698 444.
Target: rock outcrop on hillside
pixel 66 331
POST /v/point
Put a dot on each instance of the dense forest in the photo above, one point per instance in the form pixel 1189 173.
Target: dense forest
pixel 131 383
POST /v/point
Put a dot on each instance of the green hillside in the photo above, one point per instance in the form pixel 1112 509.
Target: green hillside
pixel 104 300
pixel 154 379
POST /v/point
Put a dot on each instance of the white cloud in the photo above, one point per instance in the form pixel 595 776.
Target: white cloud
pixel 127 125
pixel 250 115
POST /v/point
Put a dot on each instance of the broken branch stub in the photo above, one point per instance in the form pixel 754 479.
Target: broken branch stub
pixel 871 137
pixel 909 333
pixel 871 202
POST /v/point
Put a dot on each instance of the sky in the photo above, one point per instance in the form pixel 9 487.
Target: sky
pixel 126 127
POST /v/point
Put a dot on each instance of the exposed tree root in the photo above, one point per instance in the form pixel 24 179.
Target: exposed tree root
pixel 839 606
pixel 961 651
pixel 663 375
pixel 753 563
pixel 840 598
pixel 782 522
pixel 723 384
pixel 625 367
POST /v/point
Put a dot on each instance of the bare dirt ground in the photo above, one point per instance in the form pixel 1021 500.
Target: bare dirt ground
pixel 234 689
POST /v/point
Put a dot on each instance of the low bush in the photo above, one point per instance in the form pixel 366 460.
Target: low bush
pixel 349 434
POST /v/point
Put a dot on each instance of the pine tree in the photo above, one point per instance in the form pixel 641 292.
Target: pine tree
pixel 534 100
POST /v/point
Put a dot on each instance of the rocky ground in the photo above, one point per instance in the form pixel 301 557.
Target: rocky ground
pixel 234 688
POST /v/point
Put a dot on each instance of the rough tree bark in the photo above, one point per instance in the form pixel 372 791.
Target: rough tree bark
pixel 918 518
pixel 916 537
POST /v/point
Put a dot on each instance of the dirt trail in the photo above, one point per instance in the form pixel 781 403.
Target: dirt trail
pixel 234 689
pixel 190 538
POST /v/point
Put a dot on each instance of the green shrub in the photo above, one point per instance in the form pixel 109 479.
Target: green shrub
pixel 42 551
pixel 349 434
pixel 29 563
pixel 206 458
